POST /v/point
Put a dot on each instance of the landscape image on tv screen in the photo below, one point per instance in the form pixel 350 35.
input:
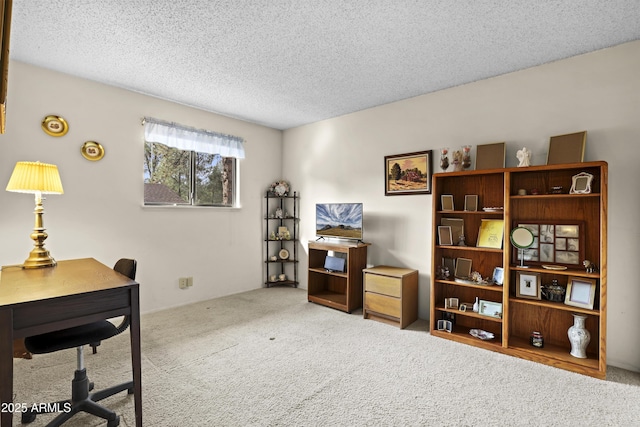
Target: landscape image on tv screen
pixel 341 220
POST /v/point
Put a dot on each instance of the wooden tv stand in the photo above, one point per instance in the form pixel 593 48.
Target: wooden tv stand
pixel 339 290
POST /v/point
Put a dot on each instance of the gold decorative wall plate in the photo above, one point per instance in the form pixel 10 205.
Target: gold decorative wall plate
pixel 55 126
pixel 93 151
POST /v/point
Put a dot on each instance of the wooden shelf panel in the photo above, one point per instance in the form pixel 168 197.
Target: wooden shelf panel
pixel 330 299
pixel 462 335
pixel 470 314
pixel 567 272
pixel 469 248
pixel 554 305
pixel 328 273
pixel 556 356
pixel 492 288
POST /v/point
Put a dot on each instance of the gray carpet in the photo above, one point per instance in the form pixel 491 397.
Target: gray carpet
pixel 270 358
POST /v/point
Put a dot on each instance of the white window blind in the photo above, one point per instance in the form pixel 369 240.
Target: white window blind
pixel 192 139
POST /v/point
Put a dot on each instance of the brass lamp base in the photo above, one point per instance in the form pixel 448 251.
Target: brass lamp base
pixel 39 258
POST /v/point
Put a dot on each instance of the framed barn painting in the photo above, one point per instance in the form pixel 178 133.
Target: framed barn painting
pixel 408 173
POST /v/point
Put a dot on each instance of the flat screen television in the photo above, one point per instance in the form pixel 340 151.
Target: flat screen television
pixel 339 220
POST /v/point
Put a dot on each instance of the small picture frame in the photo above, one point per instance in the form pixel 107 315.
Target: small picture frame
pixel 498 276
pixel 490 308
pixel 581 292
pixel 444 235
pixel 567 148
pixel 463 268
pixel 447 202
pixel 452 303
pixel 445 325
pixel 471 203
pixel 528 285
pixel 491 156
pixel 581 183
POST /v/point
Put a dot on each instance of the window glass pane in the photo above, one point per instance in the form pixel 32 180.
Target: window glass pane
pixel 167 175
pixel 214 179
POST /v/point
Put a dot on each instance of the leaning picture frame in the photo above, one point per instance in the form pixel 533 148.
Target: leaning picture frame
pixel 581 292
pixel 444 235
pixel 528 285
pixel 491 156
pixel 409 173
pixel 490 308
pixel 446 201
pixel 567 148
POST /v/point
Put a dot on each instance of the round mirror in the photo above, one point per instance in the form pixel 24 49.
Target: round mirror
pixel 521 238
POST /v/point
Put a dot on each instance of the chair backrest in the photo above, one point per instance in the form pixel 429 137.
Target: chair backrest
pixel 126 267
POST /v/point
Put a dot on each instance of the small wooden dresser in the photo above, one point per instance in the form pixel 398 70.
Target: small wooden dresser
pixel 390 295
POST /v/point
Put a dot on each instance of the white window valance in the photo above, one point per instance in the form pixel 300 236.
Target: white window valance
pixel 192 139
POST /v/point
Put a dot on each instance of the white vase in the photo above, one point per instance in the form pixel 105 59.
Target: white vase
pixel 579 337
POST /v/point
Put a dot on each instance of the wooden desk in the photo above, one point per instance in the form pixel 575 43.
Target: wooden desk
pixel 74 292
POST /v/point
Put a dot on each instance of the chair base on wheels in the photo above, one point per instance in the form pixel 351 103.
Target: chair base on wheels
pixel 81 401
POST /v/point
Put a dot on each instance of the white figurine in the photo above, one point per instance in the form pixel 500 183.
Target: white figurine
pixel 524 156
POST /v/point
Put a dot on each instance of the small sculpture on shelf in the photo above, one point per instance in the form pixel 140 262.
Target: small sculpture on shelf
pixel 524 157
pixel 466 156
pixel 444 159
pixel 589 266
pixel 279 213
pixel 279 188
pixel 457 160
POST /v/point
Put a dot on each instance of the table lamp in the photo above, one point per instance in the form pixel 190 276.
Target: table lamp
pixel 36 178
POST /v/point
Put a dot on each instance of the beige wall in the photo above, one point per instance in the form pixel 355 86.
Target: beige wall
pixel 101 214
pixel 341 160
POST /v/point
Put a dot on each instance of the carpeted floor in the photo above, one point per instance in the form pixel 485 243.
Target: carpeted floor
pixel 270 358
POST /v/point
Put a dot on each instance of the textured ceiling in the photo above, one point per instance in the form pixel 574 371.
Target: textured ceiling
pixel 286 63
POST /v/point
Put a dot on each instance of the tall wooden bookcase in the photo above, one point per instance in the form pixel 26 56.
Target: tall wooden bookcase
pixel 499 188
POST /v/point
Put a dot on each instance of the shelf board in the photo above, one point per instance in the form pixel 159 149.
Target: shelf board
pixel 330 273
pixel 553 196
pixel 469 314
pixel 554 305
pixel 480 212
pixel 281 261
pixel 567 272
pixel 330 299
pixel 468 248
pixel 557 356
pixel 461 334
pixel 493 288
pixel 282 283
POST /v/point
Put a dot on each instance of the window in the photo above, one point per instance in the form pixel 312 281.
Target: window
pixel 186 166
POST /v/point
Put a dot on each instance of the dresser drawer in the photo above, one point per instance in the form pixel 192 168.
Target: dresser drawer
pixel 383 304
pixel 383 284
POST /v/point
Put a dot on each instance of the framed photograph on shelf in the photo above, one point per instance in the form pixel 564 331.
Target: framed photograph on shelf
pixel 498 276
pixel 490 156
pixel 490 308
pixel 457 227
pixel 471 202
pixel 581 292
pixel 447 202
pixel 528 285
pixel 567 148
pixel 581 183
pixel 491 233
pixel 554 243
pixel 463 268
pixel 408 173
pixel 444 235
pixel 451 303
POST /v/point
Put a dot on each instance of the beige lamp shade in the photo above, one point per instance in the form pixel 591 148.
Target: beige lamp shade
pixel 33 177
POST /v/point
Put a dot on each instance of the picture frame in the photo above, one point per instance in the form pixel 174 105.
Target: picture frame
pixel 407 174
pixel 490 308
pixel 581 183
pixel 491 234
pixel 446 201
pixel 555 243
pixel 498 276
pixel 451 303
pixel 528 285
pixel 471 203
pixel 581 292
pixel 444 325
pixel 463 268
pixel 568 148
pixel 444 235
pixel 491 156
pixel 457 228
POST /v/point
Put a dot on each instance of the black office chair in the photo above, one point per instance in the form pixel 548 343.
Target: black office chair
pixel 81 400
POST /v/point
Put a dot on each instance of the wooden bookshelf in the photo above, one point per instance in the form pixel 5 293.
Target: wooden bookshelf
pixel 520 316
